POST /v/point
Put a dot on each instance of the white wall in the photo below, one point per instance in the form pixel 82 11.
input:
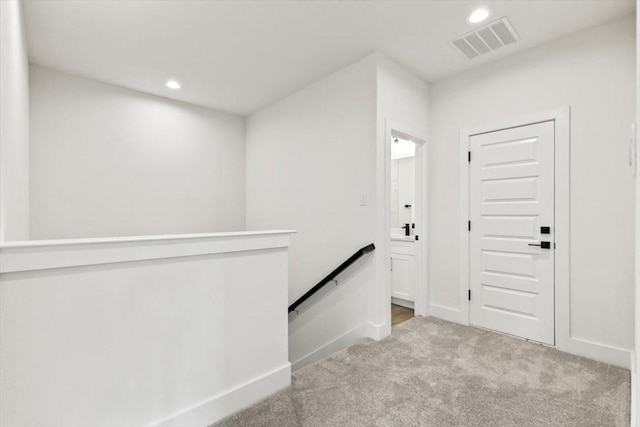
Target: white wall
pixel 593 72
pixel 635 380
pixel 14 124
pixel 108 161
pixel 402 99
pixel 137 332
pixel 310 158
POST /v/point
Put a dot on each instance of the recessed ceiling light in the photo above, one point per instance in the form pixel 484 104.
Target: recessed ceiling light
pixel 478 15
pixel 172 84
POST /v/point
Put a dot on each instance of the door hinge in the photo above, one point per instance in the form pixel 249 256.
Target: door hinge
pixel 469 156
pixel 469 294
pixel 469 225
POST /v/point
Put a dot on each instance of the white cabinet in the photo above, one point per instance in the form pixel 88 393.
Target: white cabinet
pixel 403 273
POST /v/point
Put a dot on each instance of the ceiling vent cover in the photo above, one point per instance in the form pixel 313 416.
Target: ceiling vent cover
pixel 486 39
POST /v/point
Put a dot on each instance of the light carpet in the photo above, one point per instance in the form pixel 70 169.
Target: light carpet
pixel 430 372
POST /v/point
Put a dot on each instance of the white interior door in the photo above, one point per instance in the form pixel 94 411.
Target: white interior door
pixel 511 196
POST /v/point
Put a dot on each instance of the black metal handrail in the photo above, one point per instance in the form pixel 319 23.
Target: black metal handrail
pixel 353 258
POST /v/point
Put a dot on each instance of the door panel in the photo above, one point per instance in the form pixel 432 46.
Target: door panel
pixel 523 227
pixel 510 152
pixel 511 196
pixel 509 190
pixel 508 263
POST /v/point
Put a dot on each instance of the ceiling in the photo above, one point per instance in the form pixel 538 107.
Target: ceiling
pixel 240 56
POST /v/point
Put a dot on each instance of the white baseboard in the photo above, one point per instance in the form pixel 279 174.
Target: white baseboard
pixel 378 332
pixel 591 350
pixel 635 391
pixel 402 302
pixel 444 313
pixel 580 347
pixel 364 330
pixel 224 404
pixel 597 351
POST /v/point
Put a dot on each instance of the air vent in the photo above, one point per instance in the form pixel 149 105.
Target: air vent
pixel 486 39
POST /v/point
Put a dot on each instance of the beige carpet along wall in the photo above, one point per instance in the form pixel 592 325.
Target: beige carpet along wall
pixel 593 72
pixel 108 161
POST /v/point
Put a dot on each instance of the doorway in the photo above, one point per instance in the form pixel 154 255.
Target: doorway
pixel 515 242
pixel 406 223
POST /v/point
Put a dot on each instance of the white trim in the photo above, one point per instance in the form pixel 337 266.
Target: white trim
pixel 561 117
pixel 445 313
pixel 139 239
pixel 224 404
pixel 376 332
pixel 635 360
pixel 604 353
pixel 403 303
pixel 420 136
pixel 383 250
pixel 464 227
pixel 563 231
pixel 85 252
pixel 351 337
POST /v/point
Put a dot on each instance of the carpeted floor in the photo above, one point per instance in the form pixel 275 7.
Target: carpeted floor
pixel 436 373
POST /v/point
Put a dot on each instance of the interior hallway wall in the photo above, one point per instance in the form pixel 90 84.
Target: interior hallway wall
pixel 402 99
pixel 635 381
pixel 313 165
pixel 14 124
pixel 593 72
pixel 310 161
pixel 108 161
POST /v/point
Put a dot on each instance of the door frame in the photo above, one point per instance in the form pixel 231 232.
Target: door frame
pixel 562 169
pixel 420 137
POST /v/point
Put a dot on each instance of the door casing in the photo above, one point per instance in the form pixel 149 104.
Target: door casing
pixel 420 137
pixel 561 117
pixel 495 298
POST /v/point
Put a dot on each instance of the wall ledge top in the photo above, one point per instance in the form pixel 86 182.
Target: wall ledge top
pixel 149 238
pixel 51 254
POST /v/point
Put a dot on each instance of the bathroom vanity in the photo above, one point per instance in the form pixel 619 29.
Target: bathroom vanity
pixel 403 270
